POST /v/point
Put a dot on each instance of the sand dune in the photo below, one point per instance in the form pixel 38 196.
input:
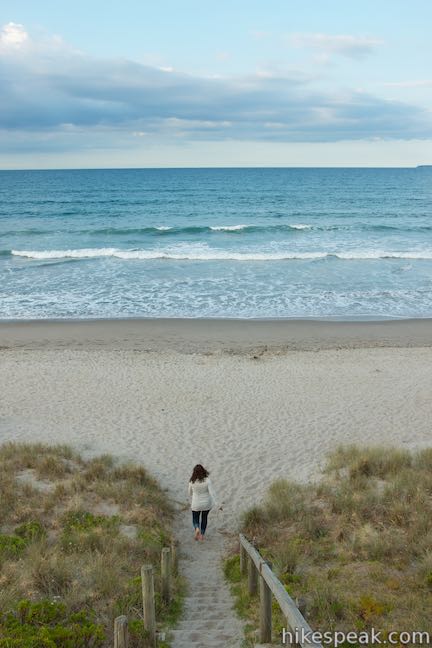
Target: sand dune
pixel 250 416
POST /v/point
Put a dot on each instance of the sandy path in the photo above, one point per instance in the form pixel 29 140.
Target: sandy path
pixel 248 420
pixel 209 620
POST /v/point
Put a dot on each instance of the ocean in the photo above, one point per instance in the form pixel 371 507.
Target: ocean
pixel 237 243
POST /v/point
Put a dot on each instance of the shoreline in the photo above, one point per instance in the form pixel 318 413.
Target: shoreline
pixel 215 335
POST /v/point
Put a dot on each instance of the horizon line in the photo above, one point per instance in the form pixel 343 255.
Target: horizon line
pixel 195 168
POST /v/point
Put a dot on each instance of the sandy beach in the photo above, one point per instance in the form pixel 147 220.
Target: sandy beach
pixel 252 400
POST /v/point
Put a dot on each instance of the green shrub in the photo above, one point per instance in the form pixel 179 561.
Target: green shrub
pixel 32 530
pixel 11 545
pixel 85 521
pixel 47 624
pixel 232 569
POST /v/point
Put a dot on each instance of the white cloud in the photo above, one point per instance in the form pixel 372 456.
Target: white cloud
pixel 13 35
pixel 421 83
pixel 344 45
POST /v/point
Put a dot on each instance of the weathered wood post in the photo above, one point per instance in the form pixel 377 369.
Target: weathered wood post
pixel 270 586
pixel 302 606
pixel 121 635
pixel 166 574
pixel 149 614
pixel 252 577
pixel 243 560
pixel 174 558
pixel 265 611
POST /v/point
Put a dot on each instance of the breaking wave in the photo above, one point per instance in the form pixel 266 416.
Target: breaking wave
pixel 198 254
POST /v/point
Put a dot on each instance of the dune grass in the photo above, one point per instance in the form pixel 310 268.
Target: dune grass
pixel 357 545
pixel 73 536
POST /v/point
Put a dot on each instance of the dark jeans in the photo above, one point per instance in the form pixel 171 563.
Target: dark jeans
pixel 200 524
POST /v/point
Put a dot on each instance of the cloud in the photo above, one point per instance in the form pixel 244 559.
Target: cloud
pixel 13 35
pixel 420 83
pixel 350 46
pixel 55 97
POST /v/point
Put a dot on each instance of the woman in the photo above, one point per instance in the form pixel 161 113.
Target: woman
pixel 203 499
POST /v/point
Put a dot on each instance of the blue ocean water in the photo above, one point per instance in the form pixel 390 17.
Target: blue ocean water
pixel 216 243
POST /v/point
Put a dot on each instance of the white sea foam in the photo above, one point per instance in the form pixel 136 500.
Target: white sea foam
pixel 229 228
pixel 197 254
pixel 237 228
pixel 376 254
pixel 85 253
pixel 207 254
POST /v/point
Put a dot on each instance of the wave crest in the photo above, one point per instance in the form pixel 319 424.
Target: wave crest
pixel 214 255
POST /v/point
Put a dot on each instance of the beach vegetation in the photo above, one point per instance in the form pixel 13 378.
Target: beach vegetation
pixel 74 533
pixel 356 545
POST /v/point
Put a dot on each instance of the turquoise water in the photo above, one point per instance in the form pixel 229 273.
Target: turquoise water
pixel 216 243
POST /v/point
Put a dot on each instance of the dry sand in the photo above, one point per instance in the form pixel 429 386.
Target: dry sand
pixel 253 401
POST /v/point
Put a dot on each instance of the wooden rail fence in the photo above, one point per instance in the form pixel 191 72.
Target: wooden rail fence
pixel 168 570
pixel 260 576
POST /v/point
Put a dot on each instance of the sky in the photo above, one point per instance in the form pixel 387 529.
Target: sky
pixel 235 83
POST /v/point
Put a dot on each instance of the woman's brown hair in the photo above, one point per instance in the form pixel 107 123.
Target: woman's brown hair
pixel 199 473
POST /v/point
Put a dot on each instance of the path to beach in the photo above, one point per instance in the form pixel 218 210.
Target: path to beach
pixel 250 415
pixel 209 620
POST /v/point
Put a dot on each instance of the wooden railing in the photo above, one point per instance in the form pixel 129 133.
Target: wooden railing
pixel 257 569
pixel 168 569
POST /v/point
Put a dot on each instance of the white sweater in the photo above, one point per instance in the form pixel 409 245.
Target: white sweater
pixel 203 497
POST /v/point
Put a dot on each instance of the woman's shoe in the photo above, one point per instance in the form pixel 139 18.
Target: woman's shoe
pixel 197 534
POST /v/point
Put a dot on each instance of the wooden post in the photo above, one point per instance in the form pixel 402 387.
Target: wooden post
pixel 265 611
pixel 149 614
pixel 270 586
pixel 243 560
pixel 252 577
pixel 166 574
pixel 174 558
pixel 302 606
pixel 121 636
